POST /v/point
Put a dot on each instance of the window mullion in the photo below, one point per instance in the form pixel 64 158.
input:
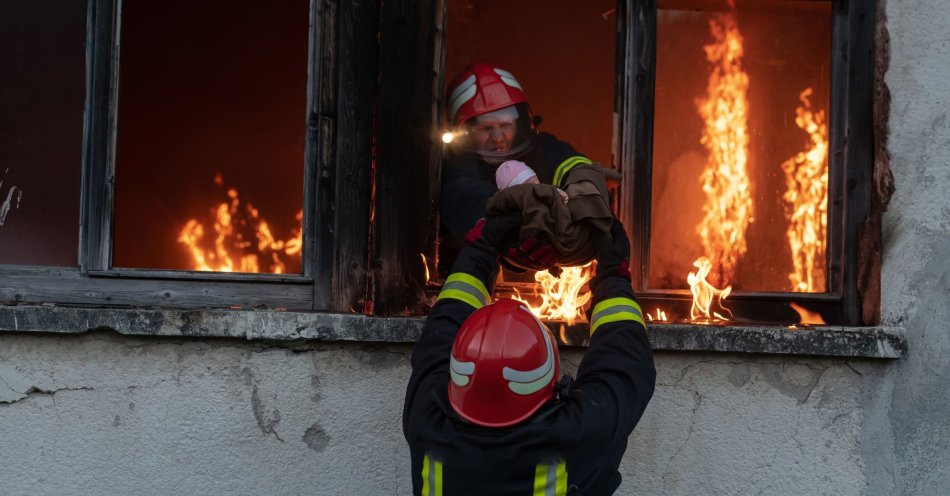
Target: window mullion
pixel 98 136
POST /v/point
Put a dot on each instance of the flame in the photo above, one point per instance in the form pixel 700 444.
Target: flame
pixel 234 249
pixel 806 316
pixel 806 177
pixel 560 296
pixel 705 295
pixel 660 316
pixel 425 264
pixel 728 207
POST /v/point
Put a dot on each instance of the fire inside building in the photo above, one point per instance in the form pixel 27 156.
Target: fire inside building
pixel 727 170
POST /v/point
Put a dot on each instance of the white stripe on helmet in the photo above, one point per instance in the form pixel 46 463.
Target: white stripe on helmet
pixel 508 78
pixel 460 371
pixel 461 94
pixel 530 376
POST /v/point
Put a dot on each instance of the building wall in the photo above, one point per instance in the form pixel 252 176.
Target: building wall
pixel 102 414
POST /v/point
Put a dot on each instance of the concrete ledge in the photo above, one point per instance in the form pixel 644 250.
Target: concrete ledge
pixel 875 342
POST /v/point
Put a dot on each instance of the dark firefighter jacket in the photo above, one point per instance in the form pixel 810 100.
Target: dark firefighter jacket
pixel 468 182
pixel 570 446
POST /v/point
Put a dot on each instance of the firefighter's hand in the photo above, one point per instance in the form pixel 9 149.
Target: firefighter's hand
pixel 531 254
pixel 489 234
pixel 613 253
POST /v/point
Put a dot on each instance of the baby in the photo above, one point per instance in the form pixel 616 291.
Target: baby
pixel 513 172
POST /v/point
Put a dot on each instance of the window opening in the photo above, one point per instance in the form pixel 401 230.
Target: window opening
pixel 41 101
pixel 740 153
pixel 732 130
pixel 210 136
pixel 563 55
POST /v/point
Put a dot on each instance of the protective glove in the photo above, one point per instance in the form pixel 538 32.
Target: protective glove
pixel 489 234
pixel 613 254
pixel 532 254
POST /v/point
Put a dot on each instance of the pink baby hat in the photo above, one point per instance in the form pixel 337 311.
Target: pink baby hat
pixel 511 173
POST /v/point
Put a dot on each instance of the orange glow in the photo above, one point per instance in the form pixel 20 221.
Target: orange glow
pixel 560 296
pixel 707 300
pixel 232 250
pixel 806 197
pixel 806 316
pixel 660 316
pixel 725 180
pixel 425 265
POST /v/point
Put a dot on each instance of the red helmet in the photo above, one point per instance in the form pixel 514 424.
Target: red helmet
pixel 504 365
pixel 479 89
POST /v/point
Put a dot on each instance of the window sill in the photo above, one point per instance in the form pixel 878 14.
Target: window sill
pixel 872 342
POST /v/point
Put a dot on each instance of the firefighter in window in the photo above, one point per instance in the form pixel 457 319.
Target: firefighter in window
pixel 495 133
pixel 485 412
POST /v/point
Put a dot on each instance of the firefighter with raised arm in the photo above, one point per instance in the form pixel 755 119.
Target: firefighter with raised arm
pixel 493 124
pixel 485 411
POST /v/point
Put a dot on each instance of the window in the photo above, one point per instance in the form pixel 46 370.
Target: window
pixel 210 134
pixel 750 120
pixel 786 178
pixel 177 115
pixel 335 145
pixel 41 102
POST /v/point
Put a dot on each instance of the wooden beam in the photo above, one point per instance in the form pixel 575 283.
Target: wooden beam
pixel 407 152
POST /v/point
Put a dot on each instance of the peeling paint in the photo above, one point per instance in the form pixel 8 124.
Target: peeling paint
pixel 740 374
pixel 316 438
pixel 8 203
pixel 267 422
pixel 315 384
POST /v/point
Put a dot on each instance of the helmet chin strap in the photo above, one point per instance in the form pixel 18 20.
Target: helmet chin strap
pixel 497 158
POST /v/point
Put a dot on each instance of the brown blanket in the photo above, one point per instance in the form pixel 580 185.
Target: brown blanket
pixel 566 227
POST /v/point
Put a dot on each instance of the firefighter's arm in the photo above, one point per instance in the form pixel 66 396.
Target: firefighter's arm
pixel 466 188
pixel 468 288
pixel 616 378
pixel 559 158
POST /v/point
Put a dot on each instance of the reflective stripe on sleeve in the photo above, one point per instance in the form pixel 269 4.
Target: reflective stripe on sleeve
pixel 431 477
pixel 566 167
pixel 615 310
pixel 465 287
pixel 550 479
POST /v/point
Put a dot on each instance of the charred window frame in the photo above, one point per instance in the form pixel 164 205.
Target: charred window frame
pixel 850 161
pixel 341 80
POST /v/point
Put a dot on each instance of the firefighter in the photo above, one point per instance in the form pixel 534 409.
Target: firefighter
pixel 493 123
pixel 485 412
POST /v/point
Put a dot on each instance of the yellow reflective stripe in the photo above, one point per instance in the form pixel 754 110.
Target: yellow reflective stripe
pixel 431 477
pixel 617 317
pixel 461 295
pixel 470 280
pixel 438 478
pixel 550 479
pixel 610 302
pixel 540 479
pixel 465 287
pixel 566 167
pixel 615 310
pixel 425 476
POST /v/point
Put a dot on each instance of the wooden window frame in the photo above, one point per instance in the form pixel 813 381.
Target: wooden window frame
pixel 342 46
pixel 850 160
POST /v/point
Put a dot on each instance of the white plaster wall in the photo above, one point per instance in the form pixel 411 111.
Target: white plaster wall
pixel 126 416
pixel 916 273
pixel 119 415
